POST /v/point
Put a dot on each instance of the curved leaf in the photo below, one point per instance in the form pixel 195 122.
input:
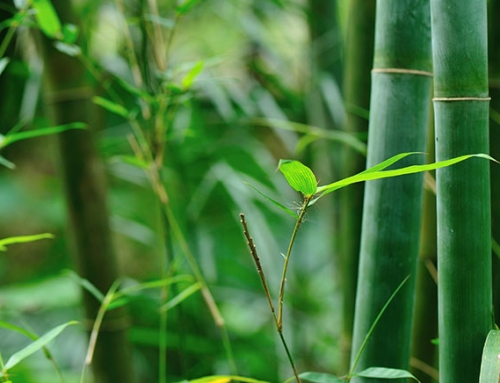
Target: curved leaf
pixel 35 346
pixel 47 19
pixel 369 174
pixel 320 377
pixel 23 239
pixel 490 364
pixel 299 176
pixel 386 373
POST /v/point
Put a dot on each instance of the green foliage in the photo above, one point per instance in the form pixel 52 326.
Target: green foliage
pixel 490 364
pixel 33 347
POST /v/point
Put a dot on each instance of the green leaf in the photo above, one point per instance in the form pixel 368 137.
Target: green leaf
pixel 375 173
pixel 70 33
pixel 131 160
pixel 47 19
pixel 87 285
pixel 386 373
pixel 188 80
pixel 3 64
pixel 13 137
pixel 186 6
pixel 26 333
pixel 278 204
pixel 225 379
pixel 313 131
pixel 319 377
pixel 299 176
pixel 490 365
pixel 184 294
pixel 5 162
pixel 71 50
pixel 111 106
pixel 35 346
pixel 23 239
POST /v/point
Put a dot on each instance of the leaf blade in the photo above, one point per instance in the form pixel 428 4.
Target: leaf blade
pixel 299 176
pixel 36 345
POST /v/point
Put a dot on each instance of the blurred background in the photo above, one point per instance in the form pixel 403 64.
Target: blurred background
pixel 220 90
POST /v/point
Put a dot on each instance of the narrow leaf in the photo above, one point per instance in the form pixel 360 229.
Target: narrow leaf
pixel 3 64
pixel 319 377
pixel 5 162
pixel 386 373
pixel 299 176
pixel 87 285
pixel 71 50
pixel 278 204
pixel 188 80
pixel 13 137
pixel 23 239
pixel 111 106
pixel 47 19
pixel 184 294
pixel 36 345
pixel 18 329
pixel 375 322
pixel 213 379
pixel 186 6
pixel 374 175
pixel 490 364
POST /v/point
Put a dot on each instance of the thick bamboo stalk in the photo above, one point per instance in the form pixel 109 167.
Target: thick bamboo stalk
pixel 463 195
pixel 357 82
pixel 392 207
pixel 68 95
pixel 494 84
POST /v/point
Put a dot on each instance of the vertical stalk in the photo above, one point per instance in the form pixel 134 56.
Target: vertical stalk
pixel 463 197
pixel 494 84
pixel 424 352
pixel 392 207
pixel 68 96
pixel 358 63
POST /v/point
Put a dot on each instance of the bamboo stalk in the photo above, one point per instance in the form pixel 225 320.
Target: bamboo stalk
pixel 68 97
pixel 357 79
pixel 463 196
pixel 392 207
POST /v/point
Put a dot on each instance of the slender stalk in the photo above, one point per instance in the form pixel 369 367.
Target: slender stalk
pixel 260 270
pixel 399 112
pixel 281 298
pixel 461 106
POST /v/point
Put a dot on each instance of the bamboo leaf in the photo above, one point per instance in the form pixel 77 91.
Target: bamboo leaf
pixel 186 6
pixel 218 379
pixel 35 346
pixel 184 294
pixel 320 377
pixel 111 106
pixel 23 239
pixel 299 176
pixel 386 373
pixel 313 131
pixel 87 285
pixel 374 324
pixel 3 64
pixel 368 175
pixel 278 204
pixel 490 365
pixel 47 19
pixel 189 78
pixel 10 138
pixel 5 162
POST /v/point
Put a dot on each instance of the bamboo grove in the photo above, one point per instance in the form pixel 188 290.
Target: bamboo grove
pixel 395 110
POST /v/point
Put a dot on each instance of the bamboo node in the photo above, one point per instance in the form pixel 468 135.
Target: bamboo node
pixel 452 99
pixel 403 71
